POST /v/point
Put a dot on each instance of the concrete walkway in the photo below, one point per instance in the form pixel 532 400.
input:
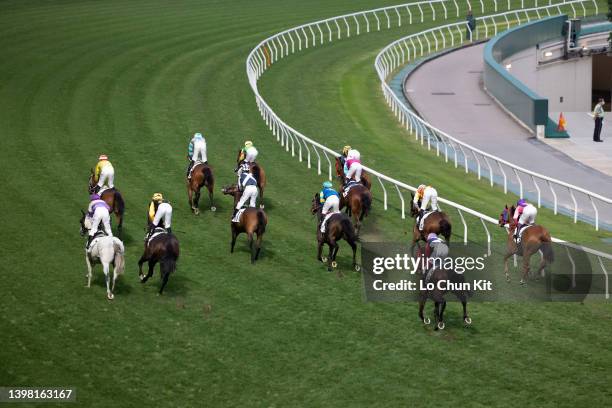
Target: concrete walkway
pixel 448 92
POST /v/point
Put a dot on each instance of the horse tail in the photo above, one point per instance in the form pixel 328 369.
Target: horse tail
pixel 445 229
pixel 119 260
pixel 257 173
pixel 348 230
pixel 171 254
pixel 261 222
pixel 119 203
pixel 209 179
pixel 546 247
pixel 366 204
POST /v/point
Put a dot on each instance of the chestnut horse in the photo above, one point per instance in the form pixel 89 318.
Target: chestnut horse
pixel 535 238
pixel 163 248
pixel 252 221
pixel 339 226
pixel 438 223
pixel 201 175
pixel 113 198
pixel 259 174
pixel 365 179
pixel 358 203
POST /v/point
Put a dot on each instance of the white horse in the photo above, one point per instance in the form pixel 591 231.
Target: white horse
pixel 106 251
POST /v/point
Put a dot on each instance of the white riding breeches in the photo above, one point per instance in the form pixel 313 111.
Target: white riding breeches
pixel 101 215
pixel 355 172
pixel 107 176
pixel 332 204
pixel 199 151
pixel 250 193
pixel 251 155
pixel 164 212
pixel 430 194
pixel 528 216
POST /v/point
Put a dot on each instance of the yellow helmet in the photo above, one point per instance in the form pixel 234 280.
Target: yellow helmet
pixel 248 143
pixel 157 197
pixel 346 149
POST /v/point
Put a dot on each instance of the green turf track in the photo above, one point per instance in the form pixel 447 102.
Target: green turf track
pixel 133 80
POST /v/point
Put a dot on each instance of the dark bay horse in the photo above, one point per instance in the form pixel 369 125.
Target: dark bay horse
pixel 365 179
pixel 438 223
pixel 535 238
pixel 163 248
pixel 339 227
pixel 437 295
pixel 253 221
pixel 259 174
pixel 201 175
pixel 113 198
pixel 358 203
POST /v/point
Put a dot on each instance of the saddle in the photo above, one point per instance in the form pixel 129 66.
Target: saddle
pixel 238 215
pixel 103 189
pixel 326 220
pixel 193 167
pixel 347 187
pixel 421 220
pixel 518 235
pixel 97 235
pixel 157 231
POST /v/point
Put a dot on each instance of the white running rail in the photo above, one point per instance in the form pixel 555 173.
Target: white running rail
pixel 412 47
pixel 292 40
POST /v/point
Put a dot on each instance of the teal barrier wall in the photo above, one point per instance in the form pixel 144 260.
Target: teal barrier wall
pixel 526 105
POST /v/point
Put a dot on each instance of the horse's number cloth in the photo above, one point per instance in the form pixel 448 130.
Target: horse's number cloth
pixel 193 167
pixel 348 187
pixel 519 236
pixel 156 232
pixel 238 215
pixel 422 220
pixel 326 220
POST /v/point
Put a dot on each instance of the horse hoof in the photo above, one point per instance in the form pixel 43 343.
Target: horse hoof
pixel 426 320
pixel 334 264
pixel 110 296
pixel 522 282
pixel 467 320
pixel 213 208
pixel 324 259
pixel 261 206
pixel 196 211
pixel 441 325
pixel 357 268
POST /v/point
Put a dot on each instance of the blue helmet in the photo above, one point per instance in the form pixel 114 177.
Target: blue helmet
pixel 327 184
pixel 522 202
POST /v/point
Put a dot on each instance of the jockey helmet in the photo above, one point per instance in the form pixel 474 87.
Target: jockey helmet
pixel 94 197
pixel 522 202
pixel 197 135
pixel 102 157
pixel 346 149
pixel 327 184
pixel 248 143
pixel 432 235
pixel 157 197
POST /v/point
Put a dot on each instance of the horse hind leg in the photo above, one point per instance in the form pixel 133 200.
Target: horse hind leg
pixel 463 298
pixel 109 293
pixel 210 197
pixel 258 246
pixel 89 269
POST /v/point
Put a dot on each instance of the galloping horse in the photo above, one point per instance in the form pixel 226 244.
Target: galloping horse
pixel 339 226
pixel 260 176
pixel 438 222
pixel 162 248
pixel 358 203
pixel 365 179
pixel 105 250
pixel 201 175
pixel 113 198
pixel 533 239
pixel 252 221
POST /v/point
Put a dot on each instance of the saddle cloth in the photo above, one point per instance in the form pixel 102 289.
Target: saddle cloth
pixel 348 187
pixel 193 167
pixel 519 235
pixel 94 241
pixel 326 220
pixel 422 219
pixel 154 234
pixel 103 189
pixel 238 215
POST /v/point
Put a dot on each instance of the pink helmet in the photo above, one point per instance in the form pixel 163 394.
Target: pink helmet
pixel 103 157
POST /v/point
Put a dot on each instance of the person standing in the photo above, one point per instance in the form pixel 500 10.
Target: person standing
pixel 470 25
pixel 598 115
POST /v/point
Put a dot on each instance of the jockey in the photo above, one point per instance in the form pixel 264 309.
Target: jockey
pixel 342 157
pixel 98 211
pixel 424 195
pixel 331 202
pixel 435 248
pixel 104 173
pixel 248 185
pixel 248 152
pixel 196 152
pixel 353 166
pixel 524 214
pixel 160 213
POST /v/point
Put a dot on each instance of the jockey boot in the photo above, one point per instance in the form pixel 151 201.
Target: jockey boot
pixel 189 169
pixel 234 214
pixel 169 230
pixel 97 189
pixel 89 239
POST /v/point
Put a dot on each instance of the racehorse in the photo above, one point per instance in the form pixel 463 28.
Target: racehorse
pixel 252 221
pixel 339 226
pixel 358 203
pixel 163 247
pixel 106 251
pixel 438 222
pixel 533 239
pixel 365 179
pixel 437 295
pixel 113 198
pixel 259 174
pixel 201 175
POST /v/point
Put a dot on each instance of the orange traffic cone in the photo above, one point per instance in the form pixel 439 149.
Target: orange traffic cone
pixel 562 123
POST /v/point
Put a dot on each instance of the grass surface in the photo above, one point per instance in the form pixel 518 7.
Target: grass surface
pixel 134 80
